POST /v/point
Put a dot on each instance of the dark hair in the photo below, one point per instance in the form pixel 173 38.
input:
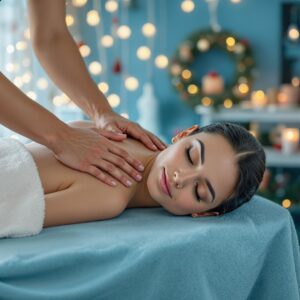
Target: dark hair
pixel 251 162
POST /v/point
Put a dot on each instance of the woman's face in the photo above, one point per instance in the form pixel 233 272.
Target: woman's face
pixel 200 171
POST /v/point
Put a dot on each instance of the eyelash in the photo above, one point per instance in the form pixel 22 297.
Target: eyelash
pixel 187 151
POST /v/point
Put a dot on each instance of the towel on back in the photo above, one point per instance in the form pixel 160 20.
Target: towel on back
pixel 21 193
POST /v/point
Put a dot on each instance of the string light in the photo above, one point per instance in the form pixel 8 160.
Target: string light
pixel 143 53
pixel 10 67
pixel 131 83
pixel 21 45
pixel 103 87
pixel 69 20
pixel 18 81
pixel 42 83
pixel 187 6
pixel 107 41
pixel 148 30
pixel 10 49
pixel 60 100
pixel 228 103
pixel 206 101
pixel 84 50
pixel 124 32
pixel 203 45
pixel 286 203
pixel 161 61
pixel 27 77
pixel 186 74
pixel 111 6
pixel 113 100
pixel 79 3
pixel 293 33
pixel 235 1
pixel 243 88
pixel 93 18
pixel 27 34
pixel 95 68
pixel 192 89
pixel 230 41
pixel 296 81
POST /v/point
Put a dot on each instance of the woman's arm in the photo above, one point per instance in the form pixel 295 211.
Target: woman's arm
pixel 60 57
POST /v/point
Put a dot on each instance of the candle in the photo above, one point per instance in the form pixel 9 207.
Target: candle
pixel 258 99
pixel 288 96
pixel 290 140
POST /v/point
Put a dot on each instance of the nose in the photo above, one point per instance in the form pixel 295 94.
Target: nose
pixel 183 177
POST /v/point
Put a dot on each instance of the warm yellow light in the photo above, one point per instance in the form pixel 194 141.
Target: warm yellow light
pixel 148 30
pixel 290 134
pixel 69 20
pixel 161 61
pixel 186 74
pixel 85 50
pixel 230 41
pixel 228 103
pixel 192 89
pixel 286 203
pixel 92 18
pixel 296 81
pixel 21 45
pixel 60 100
pixel 107 41
pixel 187 6
pixel 27 34
pixel 95 68
pixel 143 53
pixel 79 3
pixel 235 1
pixel 206 101
pixel 293 33
pixel 124 32
pixel 203 45
pixel 113 100
pixel 175 69
pixel 42 83
pixel 103 87
pixel 111 6
pixel 27 77
pixel 258 99
pixel 131 83
pixel 282 98
pixel 243 88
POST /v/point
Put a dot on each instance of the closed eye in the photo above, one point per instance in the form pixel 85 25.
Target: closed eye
pixel 187 151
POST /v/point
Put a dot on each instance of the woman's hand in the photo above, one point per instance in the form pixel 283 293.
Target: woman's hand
pixel 113 122
pixel 87 150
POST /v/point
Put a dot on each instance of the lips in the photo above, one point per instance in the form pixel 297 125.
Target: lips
pixel 165 184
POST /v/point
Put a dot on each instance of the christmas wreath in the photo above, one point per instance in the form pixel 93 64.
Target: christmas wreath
pixel 211 91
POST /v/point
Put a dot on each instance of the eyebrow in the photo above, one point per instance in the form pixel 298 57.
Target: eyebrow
pixel 211 189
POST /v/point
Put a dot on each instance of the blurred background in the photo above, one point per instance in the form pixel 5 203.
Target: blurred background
pixel 171 64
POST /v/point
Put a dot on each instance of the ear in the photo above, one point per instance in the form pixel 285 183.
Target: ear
pixel 184 133
pixel 205 214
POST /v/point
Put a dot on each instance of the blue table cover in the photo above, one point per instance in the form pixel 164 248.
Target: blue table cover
pixel 148 253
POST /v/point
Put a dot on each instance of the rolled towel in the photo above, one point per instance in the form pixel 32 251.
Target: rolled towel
pixel 22 204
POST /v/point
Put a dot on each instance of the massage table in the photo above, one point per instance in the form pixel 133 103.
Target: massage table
pixel 148 253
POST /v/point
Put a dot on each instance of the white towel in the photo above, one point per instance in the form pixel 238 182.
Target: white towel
pixel 22 206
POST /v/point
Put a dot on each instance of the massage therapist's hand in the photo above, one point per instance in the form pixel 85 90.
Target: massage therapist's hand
pixel 112 122
pixel 86 150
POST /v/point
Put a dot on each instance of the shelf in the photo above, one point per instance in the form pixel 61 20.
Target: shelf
pixel 275 158
pixel 270 114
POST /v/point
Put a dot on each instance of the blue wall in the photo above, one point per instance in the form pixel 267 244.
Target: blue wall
pixel 258 21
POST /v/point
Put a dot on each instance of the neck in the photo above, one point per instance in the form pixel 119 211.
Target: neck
pixel 142 191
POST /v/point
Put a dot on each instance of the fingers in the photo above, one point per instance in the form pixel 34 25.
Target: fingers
pixel 101 176
pixel 160 144
pixel 132 161
pixel 116 136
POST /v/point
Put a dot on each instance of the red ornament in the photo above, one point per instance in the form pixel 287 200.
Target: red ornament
pixel 117 68
pixel 80 43
pixel 213 74
pixel 115 20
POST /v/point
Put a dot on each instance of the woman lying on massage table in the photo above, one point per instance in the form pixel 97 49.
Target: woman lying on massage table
pixel 207 171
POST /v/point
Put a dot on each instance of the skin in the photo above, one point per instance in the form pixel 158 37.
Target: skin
pixel 74 197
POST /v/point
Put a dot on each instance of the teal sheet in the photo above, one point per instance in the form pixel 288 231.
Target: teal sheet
pixel 148 253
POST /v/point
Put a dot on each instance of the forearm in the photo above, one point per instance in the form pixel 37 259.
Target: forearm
pixel 61 59
pixel 25 116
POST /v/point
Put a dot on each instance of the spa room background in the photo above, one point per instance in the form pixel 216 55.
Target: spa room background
pixel 138 73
